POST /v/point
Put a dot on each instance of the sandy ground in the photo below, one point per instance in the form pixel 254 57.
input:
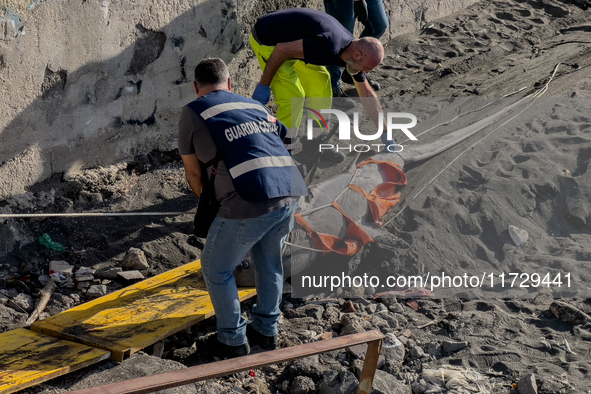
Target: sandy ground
pixel 531 173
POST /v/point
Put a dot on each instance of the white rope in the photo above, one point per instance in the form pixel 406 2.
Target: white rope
pixel 77 214
pixel 335 199
pixel 451 162
pixel 466 113
pixel 306 248
pixel 534 96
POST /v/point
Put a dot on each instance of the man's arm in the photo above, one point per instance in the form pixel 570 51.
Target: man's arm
pixel 370 100
pixel 282 52
pixel 193 172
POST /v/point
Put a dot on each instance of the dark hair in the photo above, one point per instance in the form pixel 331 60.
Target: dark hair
pixel 211 72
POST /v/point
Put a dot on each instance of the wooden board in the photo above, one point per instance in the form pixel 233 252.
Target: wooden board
pixel 28 358
pixel 137 316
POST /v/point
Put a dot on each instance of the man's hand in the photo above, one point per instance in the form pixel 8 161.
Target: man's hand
pixel 193 172
pixel 360 9
pixel 262 94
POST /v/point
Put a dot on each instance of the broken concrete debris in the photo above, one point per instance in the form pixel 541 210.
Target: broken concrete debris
pixel 527 385
pixel 130 276
pixel 568 313
pixel 134 259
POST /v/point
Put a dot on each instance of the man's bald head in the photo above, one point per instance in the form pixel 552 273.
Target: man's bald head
pixel 366 54
pixel 372 48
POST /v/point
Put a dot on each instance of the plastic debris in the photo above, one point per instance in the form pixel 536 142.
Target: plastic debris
pixel 565 346
pixel 46 241
pixel 60 266
pixel 452 379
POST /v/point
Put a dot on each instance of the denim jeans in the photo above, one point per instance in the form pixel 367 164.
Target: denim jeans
pixel 227 243
pixel 375 26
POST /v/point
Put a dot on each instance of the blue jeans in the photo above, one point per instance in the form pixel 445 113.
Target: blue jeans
pixel 375 26
pixel 228 241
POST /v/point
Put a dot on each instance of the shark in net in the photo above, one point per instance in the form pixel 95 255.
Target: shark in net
pixel 345 212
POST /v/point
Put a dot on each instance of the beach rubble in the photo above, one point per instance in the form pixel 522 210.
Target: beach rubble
pixel 527 385
pixel 568 313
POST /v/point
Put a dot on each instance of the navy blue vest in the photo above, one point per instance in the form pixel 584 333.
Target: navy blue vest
pixel 250 142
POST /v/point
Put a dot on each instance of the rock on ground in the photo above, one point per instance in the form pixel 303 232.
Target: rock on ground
pixel 302 385
pixel 134 259
pixel 568 313
pixel 11 319
pixel 527 385
pixel 384 383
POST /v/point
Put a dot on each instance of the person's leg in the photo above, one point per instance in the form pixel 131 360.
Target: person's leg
pixel 267 257
pixel 342 11
pixel 285 86
pixel 221 254
pixel 315 81
pixel 377 20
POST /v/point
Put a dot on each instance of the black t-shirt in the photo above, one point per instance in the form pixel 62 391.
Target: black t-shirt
pixel 324 38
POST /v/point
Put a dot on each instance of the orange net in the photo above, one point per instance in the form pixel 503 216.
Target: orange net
pixel 381 199
pixel 327 242
pixel 384 197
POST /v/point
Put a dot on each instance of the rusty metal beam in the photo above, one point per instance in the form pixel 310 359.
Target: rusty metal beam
pixel 369 367
pixel 218 369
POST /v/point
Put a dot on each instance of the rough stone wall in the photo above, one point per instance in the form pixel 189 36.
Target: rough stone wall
pixel 92 82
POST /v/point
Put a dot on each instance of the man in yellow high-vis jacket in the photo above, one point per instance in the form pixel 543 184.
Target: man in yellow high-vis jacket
pixel 293 46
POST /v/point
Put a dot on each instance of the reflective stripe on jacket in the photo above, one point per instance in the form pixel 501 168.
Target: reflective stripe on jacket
pixel 250 142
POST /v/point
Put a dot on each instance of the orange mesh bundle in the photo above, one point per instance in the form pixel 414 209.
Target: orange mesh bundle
pixel 354 229
pixel 327 242
pixel 384 197
pixel 381 199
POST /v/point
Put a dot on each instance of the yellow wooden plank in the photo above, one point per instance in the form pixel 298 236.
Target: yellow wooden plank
pixel 137 316
pixel 28 358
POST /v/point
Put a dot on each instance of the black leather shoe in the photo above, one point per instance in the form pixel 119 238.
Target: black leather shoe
pixel 347 78
pixel 256 338
pixel 374 85
pixel 339 92
pixel 341 100
pixel 221 351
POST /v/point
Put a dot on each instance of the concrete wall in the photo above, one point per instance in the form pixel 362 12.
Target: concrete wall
pixel 92 82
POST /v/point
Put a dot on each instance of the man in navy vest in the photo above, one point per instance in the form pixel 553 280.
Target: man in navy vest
pixel 254 183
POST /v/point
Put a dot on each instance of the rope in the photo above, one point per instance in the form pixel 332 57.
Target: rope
pixel 450 163
pixel 78 214
pixel 306 248
pixel 533 96
pixel 335 199
pixel 466 113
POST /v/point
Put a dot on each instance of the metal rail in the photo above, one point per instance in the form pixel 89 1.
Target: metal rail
pixel 218 369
